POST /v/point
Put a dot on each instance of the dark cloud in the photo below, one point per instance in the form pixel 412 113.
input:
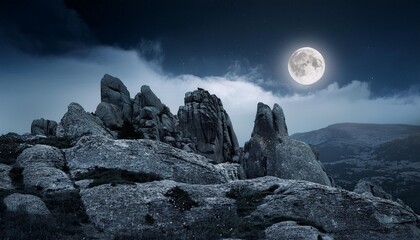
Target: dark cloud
pixel 42 27
pixel 373 41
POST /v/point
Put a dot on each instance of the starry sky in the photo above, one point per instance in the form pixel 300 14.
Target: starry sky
pixel 53 52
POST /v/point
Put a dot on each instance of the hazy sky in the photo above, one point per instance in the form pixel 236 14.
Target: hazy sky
pixel 54 52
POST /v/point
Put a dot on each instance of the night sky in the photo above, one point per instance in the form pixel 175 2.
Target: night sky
pixel 53 52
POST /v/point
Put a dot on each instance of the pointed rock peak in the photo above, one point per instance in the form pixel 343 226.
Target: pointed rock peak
pixel 263 125
pixel 204 121
pixel 201 95
pixel 269 123
pixel 112 83
pixel 148 98
pixel 270 152
pixel 75 107
pixel 43 127
pixel 113 91
pixel 279 121
pixel 76 122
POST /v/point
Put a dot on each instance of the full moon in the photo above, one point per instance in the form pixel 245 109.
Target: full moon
pixel 306 66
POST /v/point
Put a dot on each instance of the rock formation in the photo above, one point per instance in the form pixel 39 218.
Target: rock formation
pixel 152 118
pixel 24 202
pixel 146 157
pixel 250 209
pixel 43 127
pixel 106 188
pixel 43 170
pixel 41 155
pixel 270 152
pixel 111 115
pixel 204 120
pixel 292 230
pixel 77 122
pixel 5 181
pixel 114 92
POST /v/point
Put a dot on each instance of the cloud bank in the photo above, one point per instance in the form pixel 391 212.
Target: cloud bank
pixel 34 87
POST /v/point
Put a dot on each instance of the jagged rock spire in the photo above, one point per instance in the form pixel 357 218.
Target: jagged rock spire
pixel 269 122
pixel 113 91
pixel 153 118
pixel 270 152
pixel 204 120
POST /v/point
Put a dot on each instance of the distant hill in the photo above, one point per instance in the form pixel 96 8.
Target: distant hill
pixel 388 154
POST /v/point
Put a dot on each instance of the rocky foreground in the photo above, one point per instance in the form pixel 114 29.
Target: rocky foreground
pixel 134 170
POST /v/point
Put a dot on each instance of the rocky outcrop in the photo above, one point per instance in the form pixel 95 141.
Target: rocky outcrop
pixel 146 98
pixel 77 122
pixel 152 118
pixel 111 115
pixel 204 120
pixel 270 152
pixel 291 230
pixel 250 209
pixel 113 91
pixel 43 170
pixel 42 155
pixel 5 181
pixel 24 202
pixel 370 188
pixel 46 180
pixel 43 127
pixel 146 157
pixel 103 188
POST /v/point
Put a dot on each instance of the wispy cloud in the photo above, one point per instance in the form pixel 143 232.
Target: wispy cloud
pixel 34 87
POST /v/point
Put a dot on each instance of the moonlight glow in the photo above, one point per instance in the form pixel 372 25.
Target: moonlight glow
pixel 306 66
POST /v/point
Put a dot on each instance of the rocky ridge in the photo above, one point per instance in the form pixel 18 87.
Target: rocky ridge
pixel 385 154
pixel 133 170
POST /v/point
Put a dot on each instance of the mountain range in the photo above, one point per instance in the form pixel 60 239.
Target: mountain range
pixel 387 154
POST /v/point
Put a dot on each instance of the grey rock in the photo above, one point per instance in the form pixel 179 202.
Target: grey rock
pixel 204 120
pixel 245 209
pixel 144 156
pixel 113 91
pixel 295 160
pixel 110 114
pixel 269 123
pixel 46 180
pixel 42 170
pixel 270 152
pixel 168 122
pixel 43 127
pixel 169 139
pixel 24 202
pixel 146 120
pixel 77 122
pixel 341 214
pixel 41 155
pixel 371 188
pixel 233 171
pixel 5 181
pixel 108 209
pixel 147 98
pixel 290 230
pixel 153 118
pixel 279 121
